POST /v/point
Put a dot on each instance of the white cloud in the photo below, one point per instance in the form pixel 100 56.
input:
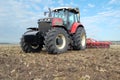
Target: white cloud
pixel 91 5
pixel 17 15
pixel 61 2
pixel 18 12
pixel 70 4
pixel 114 1
pixel 73 4
pixel 114 13
pixel 99 23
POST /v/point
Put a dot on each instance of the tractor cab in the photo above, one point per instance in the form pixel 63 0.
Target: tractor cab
pixel 68 15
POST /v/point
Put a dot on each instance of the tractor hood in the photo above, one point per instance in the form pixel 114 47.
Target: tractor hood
pixel 47 23
pixel 52 21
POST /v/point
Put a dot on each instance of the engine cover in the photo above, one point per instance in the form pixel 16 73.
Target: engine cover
pixel 48 23
pixel 44 24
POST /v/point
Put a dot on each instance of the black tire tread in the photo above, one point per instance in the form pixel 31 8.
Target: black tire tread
pixel 77 40
pixel 26 47
pixel 49 40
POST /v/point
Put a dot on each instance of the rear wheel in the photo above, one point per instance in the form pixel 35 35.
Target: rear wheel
pixel 56 41
pixel 79 39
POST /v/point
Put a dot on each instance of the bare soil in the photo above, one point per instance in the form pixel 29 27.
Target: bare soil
pixel 90 64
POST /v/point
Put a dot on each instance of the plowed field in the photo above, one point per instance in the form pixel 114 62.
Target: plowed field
pixel 90 64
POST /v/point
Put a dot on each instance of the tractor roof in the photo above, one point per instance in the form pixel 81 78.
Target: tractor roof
pixel 76 10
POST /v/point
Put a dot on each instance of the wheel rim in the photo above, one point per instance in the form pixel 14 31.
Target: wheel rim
pixel 34 45
pixel 83 39
pixel 60 44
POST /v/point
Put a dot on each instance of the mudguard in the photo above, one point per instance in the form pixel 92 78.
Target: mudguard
pixel 75 26
pixel 30 36
pixel 31 33
pixel 33 28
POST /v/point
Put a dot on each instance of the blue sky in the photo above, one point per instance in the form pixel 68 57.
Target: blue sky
pixel 101 18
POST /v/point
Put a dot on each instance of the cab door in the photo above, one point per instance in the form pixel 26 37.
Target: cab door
pixel 71 19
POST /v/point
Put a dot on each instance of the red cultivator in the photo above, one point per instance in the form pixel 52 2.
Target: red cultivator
pixel 91 43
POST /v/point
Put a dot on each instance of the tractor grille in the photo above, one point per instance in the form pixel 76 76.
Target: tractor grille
pixel 44 26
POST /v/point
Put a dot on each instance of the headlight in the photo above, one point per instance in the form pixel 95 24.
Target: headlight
pixel 47 20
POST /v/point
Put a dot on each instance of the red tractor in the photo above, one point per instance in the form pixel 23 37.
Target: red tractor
pixel 91 43
pixel 60 31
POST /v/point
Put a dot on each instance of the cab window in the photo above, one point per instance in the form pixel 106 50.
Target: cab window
pixel 71 17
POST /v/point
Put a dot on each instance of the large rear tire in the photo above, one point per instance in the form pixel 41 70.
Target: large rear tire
pixel 79 39
pixel 30 47
pixel 56 41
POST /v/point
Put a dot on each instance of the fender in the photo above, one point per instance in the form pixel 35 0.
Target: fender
pixel 75 26
pixel 30 36
pixel 31 33
pixel 33 28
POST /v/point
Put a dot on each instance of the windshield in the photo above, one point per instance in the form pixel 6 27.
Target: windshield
pixel 60 14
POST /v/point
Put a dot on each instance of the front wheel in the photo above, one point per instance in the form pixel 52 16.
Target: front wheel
pixel 56 41
pixel 30 47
